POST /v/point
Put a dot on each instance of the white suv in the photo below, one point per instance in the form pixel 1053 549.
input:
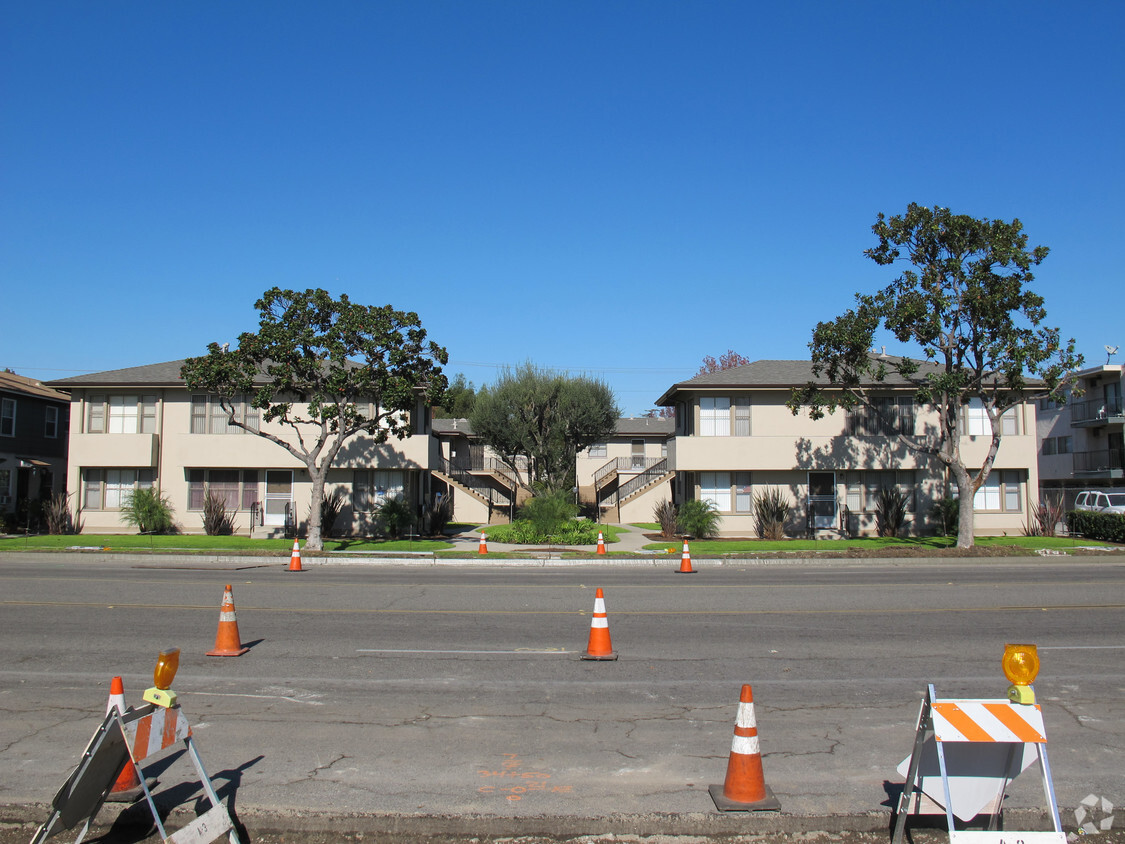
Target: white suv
pixel 1101 502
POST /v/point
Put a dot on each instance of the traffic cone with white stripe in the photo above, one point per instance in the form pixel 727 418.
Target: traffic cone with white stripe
pixel 685 561
pixel 227 642
pixel 745 788
pixel 127 787
pixel 601 543
pixel 599 647
pixel 295 557
pixel 483 549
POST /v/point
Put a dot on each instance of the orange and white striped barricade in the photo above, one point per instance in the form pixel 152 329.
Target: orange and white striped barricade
pixel 141 736
pixel 966 752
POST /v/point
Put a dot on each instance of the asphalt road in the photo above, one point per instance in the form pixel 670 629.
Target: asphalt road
pixel 456 692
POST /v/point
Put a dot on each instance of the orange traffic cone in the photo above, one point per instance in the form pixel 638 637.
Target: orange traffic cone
pixel 599 646
pixel 601 543
pixel 227 642
pixel 745 788
pixel 685 561
pixel 483 544
pixel 127 787
pixel 295 557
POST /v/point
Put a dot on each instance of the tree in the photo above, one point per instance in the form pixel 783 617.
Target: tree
pixel 729 360
pixel 967 305
pixel 460 396
pixel 546 418
pixel 324 369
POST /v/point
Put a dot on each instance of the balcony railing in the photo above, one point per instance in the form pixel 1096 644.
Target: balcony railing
pixel 1107 460
pixel 1102 410
pixel 632 463
pixel 476 483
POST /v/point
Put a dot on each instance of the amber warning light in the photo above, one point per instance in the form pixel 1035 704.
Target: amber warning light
pixel 1021 666
pixel 165 672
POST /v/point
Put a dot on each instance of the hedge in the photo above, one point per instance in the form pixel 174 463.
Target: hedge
pixel 1108 527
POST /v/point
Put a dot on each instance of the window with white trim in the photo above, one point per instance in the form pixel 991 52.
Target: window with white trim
pixel 371 486
pixel 1000 493
pixel 715 487
pixel 862 488
pixel 882 416
pixel 714 416
pixel 7 417
pixel 208 416
pixel 121 414
pixel 51 422
pixel 976 419
pixel 598 450
pixel 237 487
pixel 743 493
pixel 109 489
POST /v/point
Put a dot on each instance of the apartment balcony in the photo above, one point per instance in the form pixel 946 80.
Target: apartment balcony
pixel 1097 412
pixel 117 450
pixel 1107 463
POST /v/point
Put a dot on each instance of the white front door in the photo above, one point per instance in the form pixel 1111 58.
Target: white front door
pixel 279 496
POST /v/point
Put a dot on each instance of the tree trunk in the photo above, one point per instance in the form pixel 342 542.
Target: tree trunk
pixel 965 512
pixel 316 475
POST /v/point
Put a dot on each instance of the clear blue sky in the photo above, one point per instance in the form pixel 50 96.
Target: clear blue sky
pixel 617 188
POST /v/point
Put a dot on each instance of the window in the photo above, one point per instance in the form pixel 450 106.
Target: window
pixel 7 417
pixel 598 450
pixel 1010 423
pixel 1000 492
pixel 208 416
pixel 863 489
pixel 237 487
pixel 743 493
pixel 109 489
pixel 742 417
pixel 1057 445
pixel 51 422
pixel 714 416
pixel 715 487
pixel 883 416
pixel 371 486
pixel 121 414
pixel 976 419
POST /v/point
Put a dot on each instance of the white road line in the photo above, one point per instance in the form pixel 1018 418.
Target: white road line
pixel 420 651
pixel 1083 648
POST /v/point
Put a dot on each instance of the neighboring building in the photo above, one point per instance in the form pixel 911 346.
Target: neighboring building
pixel 142 427
pixel 1080 443
pixel 735 437
pixel 626 476
pixel 485 490
pixel 34 420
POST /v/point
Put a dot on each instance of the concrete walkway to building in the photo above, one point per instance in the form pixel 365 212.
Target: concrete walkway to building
pixel 630 540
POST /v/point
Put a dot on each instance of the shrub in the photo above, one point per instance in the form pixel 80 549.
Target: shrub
pixel 330 508
pixel 57 513
pixel 437 513
pixel 549 511
pixel 1045 517
pixel 395 516
pixel 665 513
pixel 699 519
pixel 946 516
pixel 771 510
pixel 1107 527
pixel 890 511
pixel 524 532
pixel 148 511
pixel 216 520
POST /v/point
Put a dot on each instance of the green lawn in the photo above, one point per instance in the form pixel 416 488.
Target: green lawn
pixel 209 544
pixel 912 545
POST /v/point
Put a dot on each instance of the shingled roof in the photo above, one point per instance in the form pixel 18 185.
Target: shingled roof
pixel 10 382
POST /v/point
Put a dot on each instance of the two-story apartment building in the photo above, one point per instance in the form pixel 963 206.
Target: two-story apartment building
pixel 735 437
pixel 142 427
pixel 1082 442
pixel 33 440
pixel 629 473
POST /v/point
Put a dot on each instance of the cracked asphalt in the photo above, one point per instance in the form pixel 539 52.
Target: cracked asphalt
pixel 450 704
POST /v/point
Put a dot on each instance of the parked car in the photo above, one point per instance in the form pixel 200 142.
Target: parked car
pixel 1101 502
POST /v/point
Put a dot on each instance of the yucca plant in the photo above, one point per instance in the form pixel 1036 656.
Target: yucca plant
pixel 1045 516
pixel 330 508
pixel 437 513
pixel 665 513
pixel 217 520
pixel 771 510
pixel 56 511
pixel 890 511
pixel 395 516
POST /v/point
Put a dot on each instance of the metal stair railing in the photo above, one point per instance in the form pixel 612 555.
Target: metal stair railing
pixel 649 476
pixel 475 484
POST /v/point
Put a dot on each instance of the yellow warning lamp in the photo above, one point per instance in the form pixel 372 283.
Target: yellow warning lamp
pixel 166 664
pixel 1021 666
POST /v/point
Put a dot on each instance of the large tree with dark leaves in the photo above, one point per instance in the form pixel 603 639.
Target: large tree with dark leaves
pixel 325 370
pixel 966 304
